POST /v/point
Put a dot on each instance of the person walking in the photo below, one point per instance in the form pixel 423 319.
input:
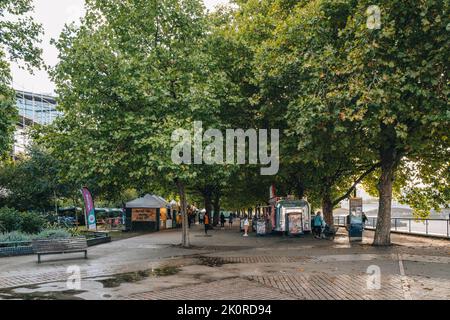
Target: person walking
pixel 364 220
pixel 222 221
pixel 318 222
pixel 206 221
pixel 200 218
pixel 230 221
pixel 246 224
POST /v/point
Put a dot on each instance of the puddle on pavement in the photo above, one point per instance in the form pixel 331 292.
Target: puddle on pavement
pixel 130 277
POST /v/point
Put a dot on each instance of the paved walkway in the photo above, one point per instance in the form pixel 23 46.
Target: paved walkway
pixel 227 266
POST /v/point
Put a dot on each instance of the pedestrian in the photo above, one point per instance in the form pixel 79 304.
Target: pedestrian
pixel 364 219
pixel 246 224
pixel 230 221
pixel 206 222
pixel 222 221
pixel 189 220
pixel 318 222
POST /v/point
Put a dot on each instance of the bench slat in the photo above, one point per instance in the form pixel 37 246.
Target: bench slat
pixel 59 245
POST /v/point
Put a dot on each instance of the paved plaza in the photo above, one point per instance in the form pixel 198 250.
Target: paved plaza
pixel 225 265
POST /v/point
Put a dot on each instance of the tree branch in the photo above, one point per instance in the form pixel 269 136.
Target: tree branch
pixel 349 191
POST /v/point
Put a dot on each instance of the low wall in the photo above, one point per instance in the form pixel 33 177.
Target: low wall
pixel 15 251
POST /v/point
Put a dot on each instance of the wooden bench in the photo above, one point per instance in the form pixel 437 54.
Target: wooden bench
pixel 56 246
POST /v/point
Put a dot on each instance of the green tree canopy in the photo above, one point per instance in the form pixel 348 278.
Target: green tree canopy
pixel 19 35
pixel 130 75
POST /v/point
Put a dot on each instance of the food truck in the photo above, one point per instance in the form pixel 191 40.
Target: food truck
pixel 291 216
pixel 284 215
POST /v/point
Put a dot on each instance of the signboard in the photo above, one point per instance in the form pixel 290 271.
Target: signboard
pixel 143 215
pixel 355 225
pixel 295 223
pixel 355 207
pixel 89 209
pixel 261 227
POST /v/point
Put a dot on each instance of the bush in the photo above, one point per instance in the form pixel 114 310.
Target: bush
pixel 31 222
pixel 14 236
pixel 53 234
pixel 17 236
pixel 10 219
pixel 13 220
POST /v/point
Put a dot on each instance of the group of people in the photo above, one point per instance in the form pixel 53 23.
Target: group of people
pixel 318 223
pixel 222 220
pixel 205 219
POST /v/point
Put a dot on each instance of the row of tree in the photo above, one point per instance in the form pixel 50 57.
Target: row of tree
pixel 353 104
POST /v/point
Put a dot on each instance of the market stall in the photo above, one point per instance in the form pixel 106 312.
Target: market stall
pixel 148 213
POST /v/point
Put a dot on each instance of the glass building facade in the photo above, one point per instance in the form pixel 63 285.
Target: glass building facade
pixel 35 108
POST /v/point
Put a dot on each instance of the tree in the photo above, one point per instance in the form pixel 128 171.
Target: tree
pixel 19 35
pixel 398 83
pixel 353 99
pixel 33 182
pixel 294 62
pixel 129 76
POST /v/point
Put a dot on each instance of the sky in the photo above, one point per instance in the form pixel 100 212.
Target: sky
pixel 53 15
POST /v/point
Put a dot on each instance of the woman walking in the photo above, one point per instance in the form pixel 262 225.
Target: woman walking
pixel 246 224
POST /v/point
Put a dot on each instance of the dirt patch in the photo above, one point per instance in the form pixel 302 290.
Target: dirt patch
pixel 213 247
pixel 130 277
pixel 165 271
pixel 213 261
pixel 10 294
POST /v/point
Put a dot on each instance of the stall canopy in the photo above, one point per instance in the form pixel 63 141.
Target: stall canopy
pixel 149 213
pixel 148 201
pixel 173 203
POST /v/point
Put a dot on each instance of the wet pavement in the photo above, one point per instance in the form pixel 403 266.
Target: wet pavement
pixel 226 265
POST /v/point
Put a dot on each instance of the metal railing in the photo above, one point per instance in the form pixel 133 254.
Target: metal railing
pixel 424 227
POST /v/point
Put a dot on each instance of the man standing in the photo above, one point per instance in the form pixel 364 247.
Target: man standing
pixel 222 221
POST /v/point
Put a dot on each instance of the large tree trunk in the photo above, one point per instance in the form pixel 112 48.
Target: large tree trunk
pixel 327 208
pixel 185 229
pixel 216 209
pixel 389 158
pixel 208 203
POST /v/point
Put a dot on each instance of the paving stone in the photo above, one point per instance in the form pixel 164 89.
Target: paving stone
pixel 326 287
pixel 228 289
